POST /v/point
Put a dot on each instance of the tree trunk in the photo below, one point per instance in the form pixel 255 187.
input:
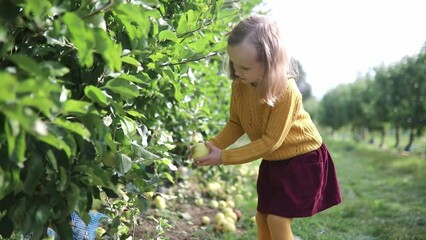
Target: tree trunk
pixel 397 136
pixel 410 141
pixel 372 136
pixel 382 138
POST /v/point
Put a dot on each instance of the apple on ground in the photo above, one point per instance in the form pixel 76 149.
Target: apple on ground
pixel 205 220
pixel 160 202
pixel 199 201
pixel 214 204
pixel 229 227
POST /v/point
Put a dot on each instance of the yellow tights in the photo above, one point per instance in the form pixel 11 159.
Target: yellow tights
pixel 272 227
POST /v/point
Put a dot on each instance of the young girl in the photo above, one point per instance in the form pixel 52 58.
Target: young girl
pixel 296 176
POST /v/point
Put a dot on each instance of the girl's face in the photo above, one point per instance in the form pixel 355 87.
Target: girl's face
pixel 245 62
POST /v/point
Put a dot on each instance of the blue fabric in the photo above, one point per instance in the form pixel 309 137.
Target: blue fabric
pixel 81 231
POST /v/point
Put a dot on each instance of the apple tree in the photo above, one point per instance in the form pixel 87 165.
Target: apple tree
pixel 99 98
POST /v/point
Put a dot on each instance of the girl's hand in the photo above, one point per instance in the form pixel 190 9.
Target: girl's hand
pixel 213 159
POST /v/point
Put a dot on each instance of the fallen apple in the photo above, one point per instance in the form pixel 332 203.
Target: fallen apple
pixel 214 204
pixel 159 202
pixel 199 201
pixel 200 150
pixel 205 220
pixel 229 227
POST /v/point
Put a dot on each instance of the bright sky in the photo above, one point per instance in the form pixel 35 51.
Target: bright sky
pixel 336 40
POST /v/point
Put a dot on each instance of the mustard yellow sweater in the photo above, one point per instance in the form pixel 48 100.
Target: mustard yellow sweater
pixel 276 133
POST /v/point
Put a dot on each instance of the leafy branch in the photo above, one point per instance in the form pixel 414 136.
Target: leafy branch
pixel 189 60
pixel 99 10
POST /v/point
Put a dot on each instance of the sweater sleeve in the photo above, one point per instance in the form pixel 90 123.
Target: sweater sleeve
pixel 281 119
pixel 232 130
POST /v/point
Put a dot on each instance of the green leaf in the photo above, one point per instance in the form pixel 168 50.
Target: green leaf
pixel 219 46
pixel 96 95
pixel 182 25
pixel 42 103
pixel 82 37
pixel 56 142
pixel 73 194
pixel 129 15
pixel 27 64
pixel 95 175
pixel 201 45
pixel 178 93
pixel 140 151
pixel 75 107
pixel 8 86
pixel 11 130
pixel 131 61
pixel 63 179
pixel 125 89
pixel 227 12
pixel 132 78
pixel 20 147
pixel 42 214
pixel 75 127
pixel 124 163
pixel 35 170
pixel 187 22
pixel 54 68
pixel 151 2
pixel 129 126
pixel 110 51
pixel 167 176
pixel 167 35
pixel 136 114
pixel 37 8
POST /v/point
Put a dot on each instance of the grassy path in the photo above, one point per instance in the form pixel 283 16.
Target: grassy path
pixel 384 197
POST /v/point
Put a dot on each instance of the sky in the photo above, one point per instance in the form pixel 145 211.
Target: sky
pixel 337 41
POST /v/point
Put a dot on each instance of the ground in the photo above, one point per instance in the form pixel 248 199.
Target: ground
pixel 184 221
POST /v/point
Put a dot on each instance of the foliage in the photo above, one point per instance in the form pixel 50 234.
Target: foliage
pixel 100 98
pixel 392 95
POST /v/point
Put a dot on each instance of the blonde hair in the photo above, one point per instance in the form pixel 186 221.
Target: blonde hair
pixel 264 33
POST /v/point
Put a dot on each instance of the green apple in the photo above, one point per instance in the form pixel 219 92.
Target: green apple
pixel 214 204
pixel 199 201
pixel 99 232
pixel 205 220
pixel 196 137
pixel 222 204
pixel 230 203
pixel 219 216
pixel 229 227
pixel 231 215
pixel 200 150
pixel 160 202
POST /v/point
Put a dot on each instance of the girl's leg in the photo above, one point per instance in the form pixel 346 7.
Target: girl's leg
pixel 262 226
pixel 279 227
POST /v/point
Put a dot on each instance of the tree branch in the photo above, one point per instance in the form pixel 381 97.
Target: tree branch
pixel 189 60
pixel 108 5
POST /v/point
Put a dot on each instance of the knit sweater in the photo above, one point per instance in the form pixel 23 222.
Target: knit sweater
pixel 276 133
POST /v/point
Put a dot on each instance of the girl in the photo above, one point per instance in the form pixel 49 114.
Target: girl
pixel 296 176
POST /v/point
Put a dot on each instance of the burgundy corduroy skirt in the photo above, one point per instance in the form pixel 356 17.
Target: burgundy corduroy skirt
pixel 298 187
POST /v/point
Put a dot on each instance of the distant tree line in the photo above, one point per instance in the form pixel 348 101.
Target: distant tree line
pixel 390 97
